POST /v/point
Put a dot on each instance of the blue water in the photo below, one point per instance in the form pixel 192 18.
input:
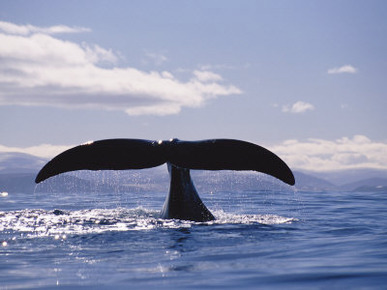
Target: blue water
pixel 261 239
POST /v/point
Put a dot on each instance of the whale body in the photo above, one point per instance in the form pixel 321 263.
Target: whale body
pixel 183 201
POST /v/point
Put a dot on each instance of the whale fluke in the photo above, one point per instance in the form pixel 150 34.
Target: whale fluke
pixel 112 154
pixel 214 154
pixel 182 201
pixel 229 154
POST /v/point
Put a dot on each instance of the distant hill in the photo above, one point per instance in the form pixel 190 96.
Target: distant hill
pixel 350 180
pixel 344 177
pixel 24 182
pixel 17 182
pixel 227 180
pixel 15 162
pixel 311 183
pixel 370 184
pixel 64 183
pixel 18 171
pixel 135 181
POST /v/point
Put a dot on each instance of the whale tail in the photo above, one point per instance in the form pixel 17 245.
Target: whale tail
pixel 214 154
pixel 182 201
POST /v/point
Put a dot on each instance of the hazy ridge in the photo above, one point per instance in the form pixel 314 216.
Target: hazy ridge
pixel 18 171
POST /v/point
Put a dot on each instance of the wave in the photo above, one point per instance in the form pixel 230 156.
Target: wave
pixel 60 223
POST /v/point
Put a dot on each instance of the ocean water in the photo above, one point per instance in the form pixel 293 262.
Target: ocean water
pixel 268 239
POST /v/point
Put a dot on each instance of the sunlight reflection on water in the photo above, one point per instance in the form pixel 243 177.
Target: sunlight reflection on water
pixel 58 223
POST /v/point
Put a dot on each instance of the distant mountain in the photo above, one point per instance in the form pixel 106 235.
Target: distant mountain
pixel 227 180
pixel 18 171
pixel 17 182
pixel 311 183
pixel 136 181
pixel 370 184
pixel 354 179
pixel 344 177
pixel 65 183
pixel 15 162
pixel 378 188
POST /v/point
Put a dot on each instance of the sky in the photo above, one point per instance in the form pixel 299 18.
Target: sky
pixel 306 79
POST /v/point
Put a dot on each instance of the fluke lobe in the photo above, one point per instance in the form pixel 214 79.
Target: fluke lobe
pixel 182 201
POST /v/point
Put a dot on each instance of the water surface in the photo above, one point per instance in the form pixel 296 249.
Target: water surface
pixel 261 239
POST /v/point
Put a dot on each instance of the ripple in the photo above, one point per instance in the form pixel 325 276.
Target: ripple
pixel 60 223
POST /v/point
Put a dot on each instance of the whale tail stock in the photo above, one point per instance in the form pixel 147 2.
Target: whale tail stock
pixel 213 154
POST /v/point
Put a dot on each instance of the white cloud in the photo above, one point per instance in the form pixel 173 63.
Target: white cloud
pixel 343 69
pixel 156 58
pixel 11 28
pixel 44 150
pixel 298 107
pixel 38 69
pixel 317 155
pixel 206 67
pixel 324 155
pixel 207 76
pixel 97 54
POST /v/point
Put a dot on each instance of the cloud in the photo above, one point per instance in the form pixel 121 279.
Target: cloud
pixel 319 155
pixel 324 155
pixel 44 150
pixel 298 107
pixel 343 69
pixel 10 28
pixel 224 66
pixel 207 76
pixel 38 69
pixel 156 58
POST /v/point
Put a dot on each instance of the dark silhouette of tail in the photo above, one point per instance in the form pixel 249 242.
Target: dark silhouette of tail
pixel 215 154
